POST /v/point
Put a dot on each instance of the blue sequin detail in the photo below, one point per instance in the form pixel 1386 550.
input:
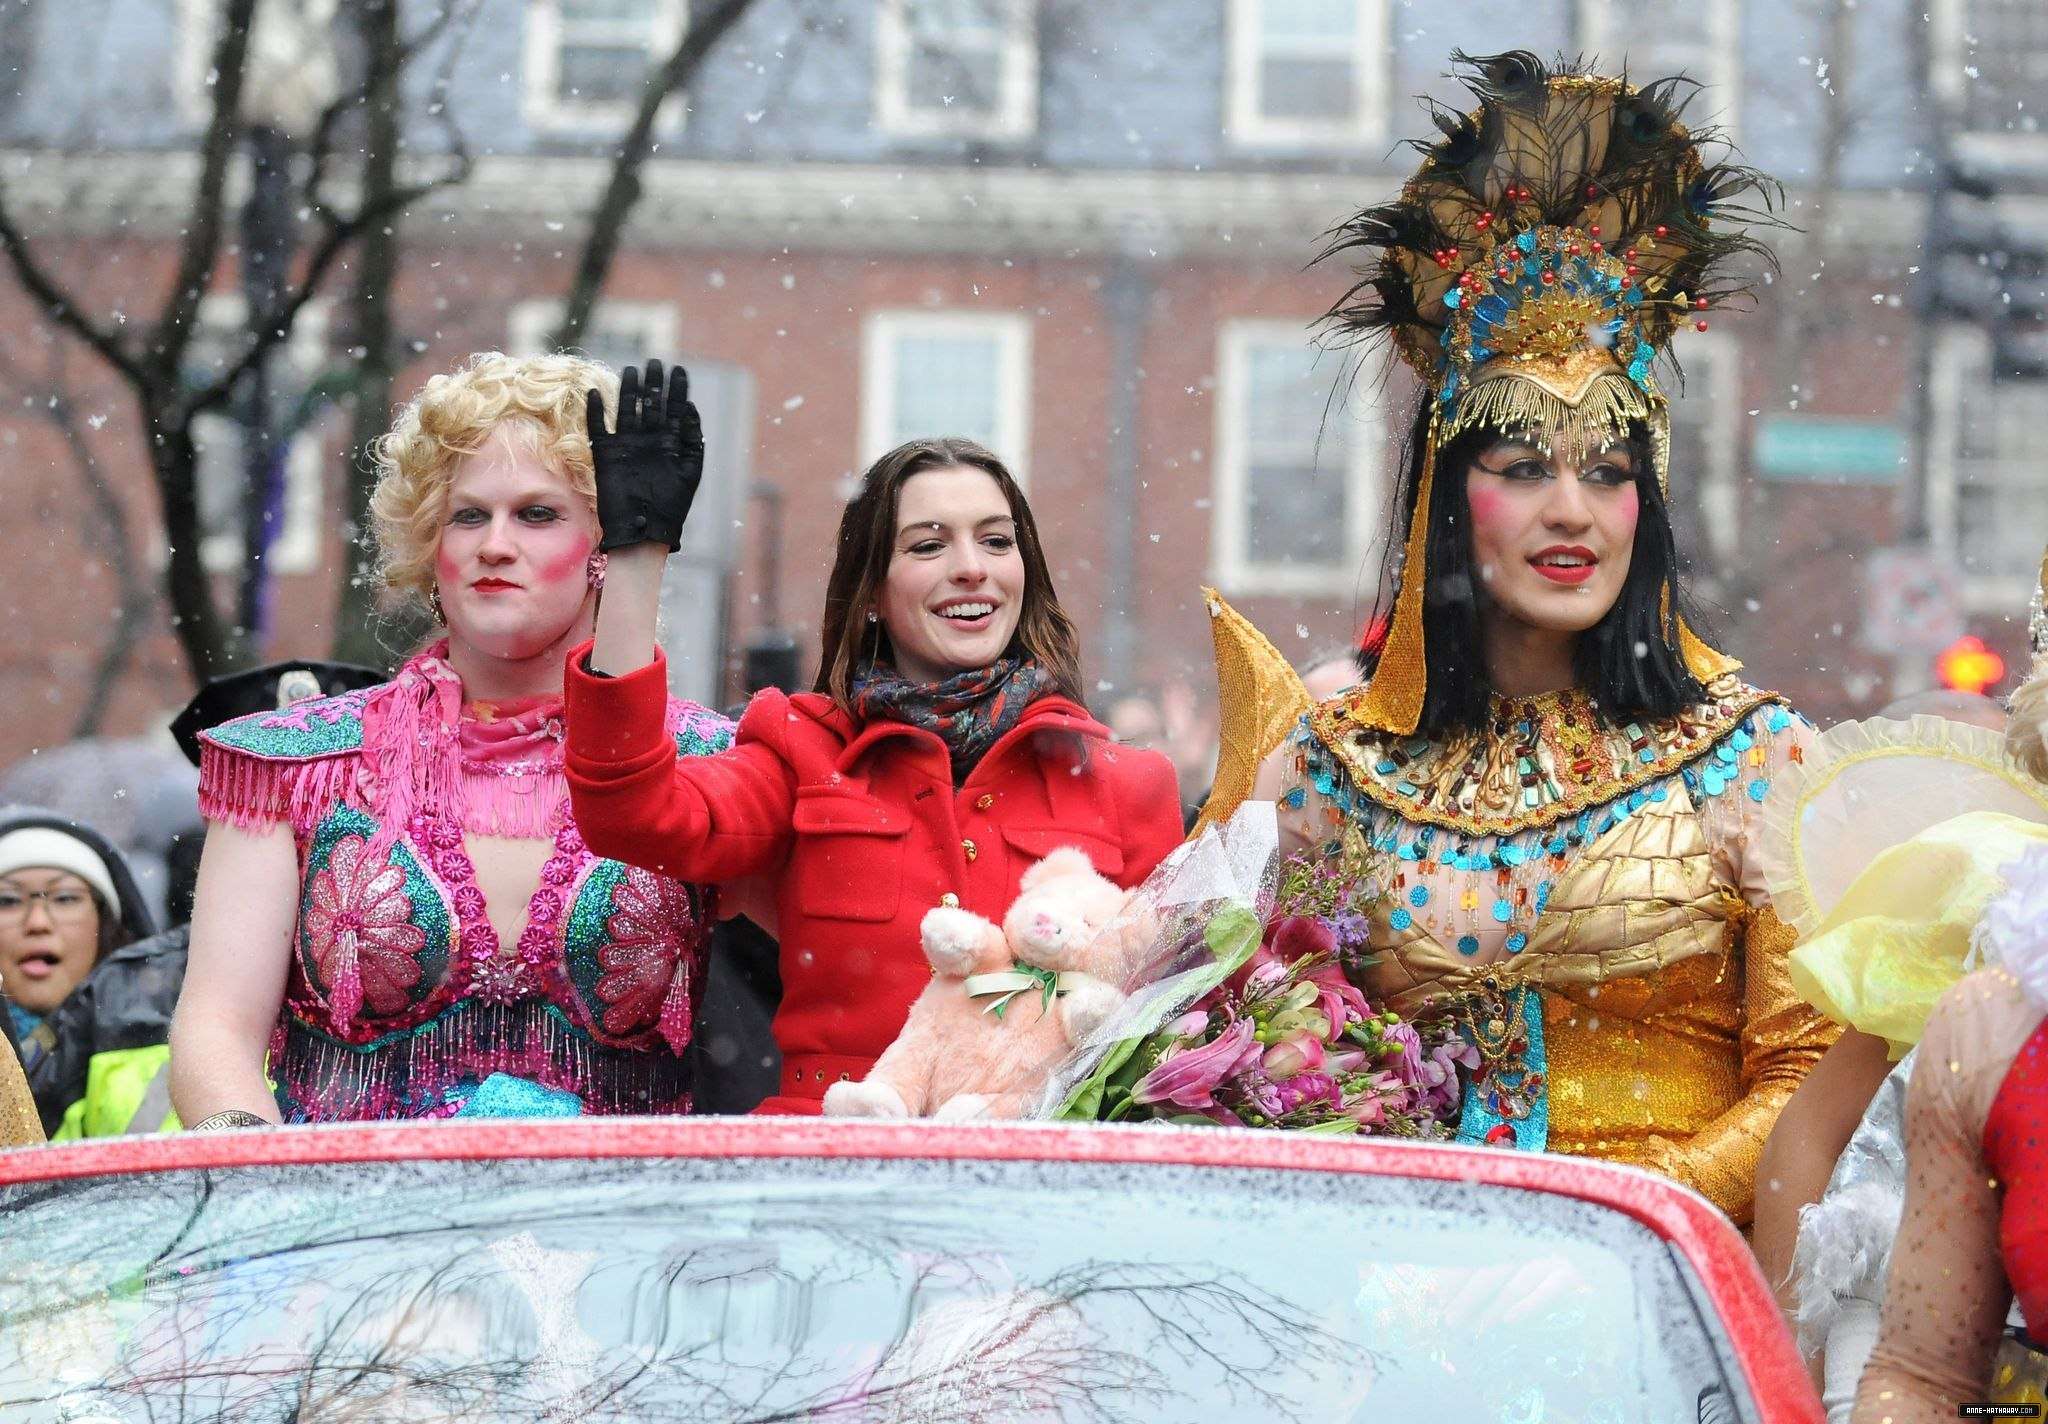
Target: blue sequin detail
pixel 1295 799
pixel 1503 911
pixel 1759 789
pixel 1401 920
pixel 1468 945
pixel 1419 896
pixel 1517 942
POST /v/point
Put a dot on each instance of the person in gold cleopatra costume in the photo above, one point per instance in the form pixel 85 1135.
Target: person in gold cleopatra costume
pixel 1552 780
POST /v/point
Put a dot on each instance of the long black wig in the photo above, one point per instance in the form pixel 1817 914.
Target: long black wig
pixel 1630 661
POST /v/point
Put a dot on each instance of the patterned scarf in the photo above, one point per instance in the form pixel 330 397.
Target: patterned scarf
pixel 968 711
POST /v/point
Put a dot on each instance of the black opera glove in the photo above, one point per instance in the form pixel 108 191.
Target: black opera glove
pixel 648 469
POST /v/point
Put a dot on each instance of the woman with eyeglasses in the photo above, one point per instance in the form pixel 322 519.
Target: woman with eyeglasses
pixel 67 901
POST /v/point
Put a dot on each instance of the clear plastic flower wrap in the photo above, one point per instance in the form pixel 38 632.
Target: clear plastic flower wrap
pixel 1244 1011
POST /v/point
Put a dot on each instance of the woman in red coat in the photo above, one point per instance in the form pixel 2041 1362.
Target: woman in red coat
pixel 944 750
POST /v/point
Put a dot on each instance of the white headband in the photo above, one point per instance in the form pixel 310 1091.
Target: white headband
pixel 47 848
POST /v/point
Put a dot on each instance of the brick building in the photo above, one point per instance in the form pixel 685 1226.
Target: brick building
pixel 1080 233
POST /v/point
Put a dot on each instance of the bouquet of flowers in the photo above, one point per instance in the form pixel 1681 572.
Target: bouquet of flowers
pixel 1270 1031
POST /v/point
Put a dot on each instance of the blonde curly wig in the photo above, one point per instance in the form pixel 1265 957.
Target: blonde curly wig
pixel 2024 734
pixel 456 414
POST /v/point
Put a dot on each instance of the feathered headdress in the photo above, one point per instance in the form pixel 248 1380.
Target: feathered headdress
pixel 1531 273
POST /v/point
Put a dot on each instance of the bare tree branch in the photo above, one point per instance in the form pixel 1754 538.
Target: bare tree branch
pixel 622 193
pixel 59 305
pixel 201 247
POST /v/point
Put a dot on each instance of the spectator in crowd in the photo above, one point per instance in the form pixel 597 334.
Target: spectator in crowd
pixel 69 909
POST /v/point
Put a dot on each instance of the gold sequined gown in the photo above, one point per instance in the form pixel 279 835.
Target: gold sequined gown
pixel 1609 869
pixel 19 1124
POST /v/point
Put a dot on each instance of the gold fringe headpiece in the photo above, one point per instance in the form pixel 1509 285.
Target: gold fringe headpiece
pixel 1531 273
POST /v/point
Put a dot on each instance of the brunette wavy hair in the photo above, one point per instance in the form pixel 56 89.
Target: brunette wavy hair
pixel 848 643
pixel 1629 661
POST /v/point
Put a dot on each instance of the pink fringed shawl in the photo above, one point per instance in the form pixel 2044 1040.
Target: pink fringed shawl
pixel 493 769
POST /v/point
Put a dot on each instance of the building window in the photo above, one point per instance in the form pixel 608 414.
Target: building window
pixel 946 373
pixel 1706 458
pixel 1986 500
pixel 290 72
pixel 1307 73
pixel 587 61
pixel 1990 60
pixel 618 334
pixel 956 68
pixel 1651 42
pixel 218 340
pixel 1296 470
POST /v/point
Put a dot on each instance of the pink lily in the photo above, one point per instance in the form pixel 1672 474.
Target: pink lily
pixel 1190 1077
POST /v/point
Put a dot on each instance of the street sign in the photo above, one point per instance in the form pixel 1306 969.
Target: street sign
pixel 1825 450
pixel 1913 602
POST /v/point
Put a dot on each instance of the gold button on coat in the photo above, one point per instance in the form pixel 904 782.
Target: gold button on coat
pixel 950 900
pixel 968 846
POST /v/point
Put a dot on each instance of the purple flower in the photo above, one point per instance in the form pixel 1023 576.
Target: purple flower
pixel 1306 1089
pixel 1189 1078
pixel 1408 1065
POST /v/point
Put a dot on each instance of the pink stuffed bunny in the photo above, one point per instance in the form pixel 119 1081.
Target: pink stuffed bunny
pixel 956 1057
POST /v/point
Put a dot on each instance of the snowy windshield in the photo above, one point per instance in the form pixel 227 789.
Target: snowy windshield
pixel 835 1290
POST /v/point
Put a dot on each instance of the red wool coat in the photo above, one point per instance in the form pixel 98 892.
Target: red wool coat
pixel 860 831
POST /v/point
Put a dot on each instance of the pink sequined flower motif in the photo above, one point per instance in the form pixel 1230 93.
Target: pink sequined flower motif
pixel 360 934
pixel 646 979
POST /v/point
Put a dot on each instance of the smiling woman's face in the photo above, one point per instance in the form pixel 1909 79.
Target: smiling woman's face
pixel 1551 540
pixel 955 586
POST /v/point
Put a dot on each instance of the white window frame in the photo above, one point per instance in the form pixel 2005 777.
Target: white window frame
pixel 296 549
pixel 1947 54
pixel 1015 114
pixel 1962 353
pixel 1246 124
pixel 1011 332
pixel 1231 566
pixel 531 322
pixel 547 112
pixel 1713 369
pixel 1718 67
pixel 287 67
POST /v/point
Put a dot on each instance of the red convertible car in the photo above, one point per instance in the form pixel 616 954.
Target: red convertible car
pixel 783 1270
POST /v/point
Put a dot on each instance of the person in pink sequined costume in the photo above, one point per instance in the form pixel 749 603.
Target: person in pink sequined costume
pixel 395 904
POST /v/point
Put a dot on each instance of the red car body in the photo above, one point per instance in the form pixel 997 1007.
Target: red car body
pixel 1726 1275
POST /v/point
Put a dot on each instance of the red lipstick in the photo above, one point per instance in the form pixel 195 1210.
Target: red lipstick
pixel 1565 563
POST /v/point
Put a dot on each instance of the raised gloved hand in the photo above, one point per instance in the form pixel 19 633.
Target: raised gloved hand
pixel 648 469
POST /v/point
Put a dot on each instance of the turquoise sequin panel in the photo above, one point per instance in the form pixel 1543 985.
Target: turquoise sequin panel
pixel 1479 1119
pixel 584 928
pixel 319 726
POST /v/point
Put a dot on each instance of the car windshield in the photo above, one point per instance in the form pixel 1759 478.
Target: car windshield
pixel 835 1289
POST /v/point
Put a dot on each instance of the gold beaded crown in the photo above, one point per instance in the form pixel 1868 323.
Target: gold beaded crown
pixel 1531 273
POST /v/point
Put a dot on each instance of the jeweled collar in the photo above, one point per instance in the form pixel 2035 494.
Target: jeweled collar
pixel 1540 759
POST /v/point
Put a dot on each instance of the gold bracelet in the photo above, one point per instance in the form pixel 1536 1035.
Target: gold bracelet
pixel 232 1118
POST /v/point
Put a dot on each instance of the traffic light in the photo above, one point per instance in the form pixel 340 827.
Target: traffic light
pixel 1966 665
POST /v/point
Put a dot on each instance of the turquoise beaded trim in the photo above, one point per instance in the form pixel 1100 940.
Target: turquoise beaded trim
pixel 1716 771
pixel 317 727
